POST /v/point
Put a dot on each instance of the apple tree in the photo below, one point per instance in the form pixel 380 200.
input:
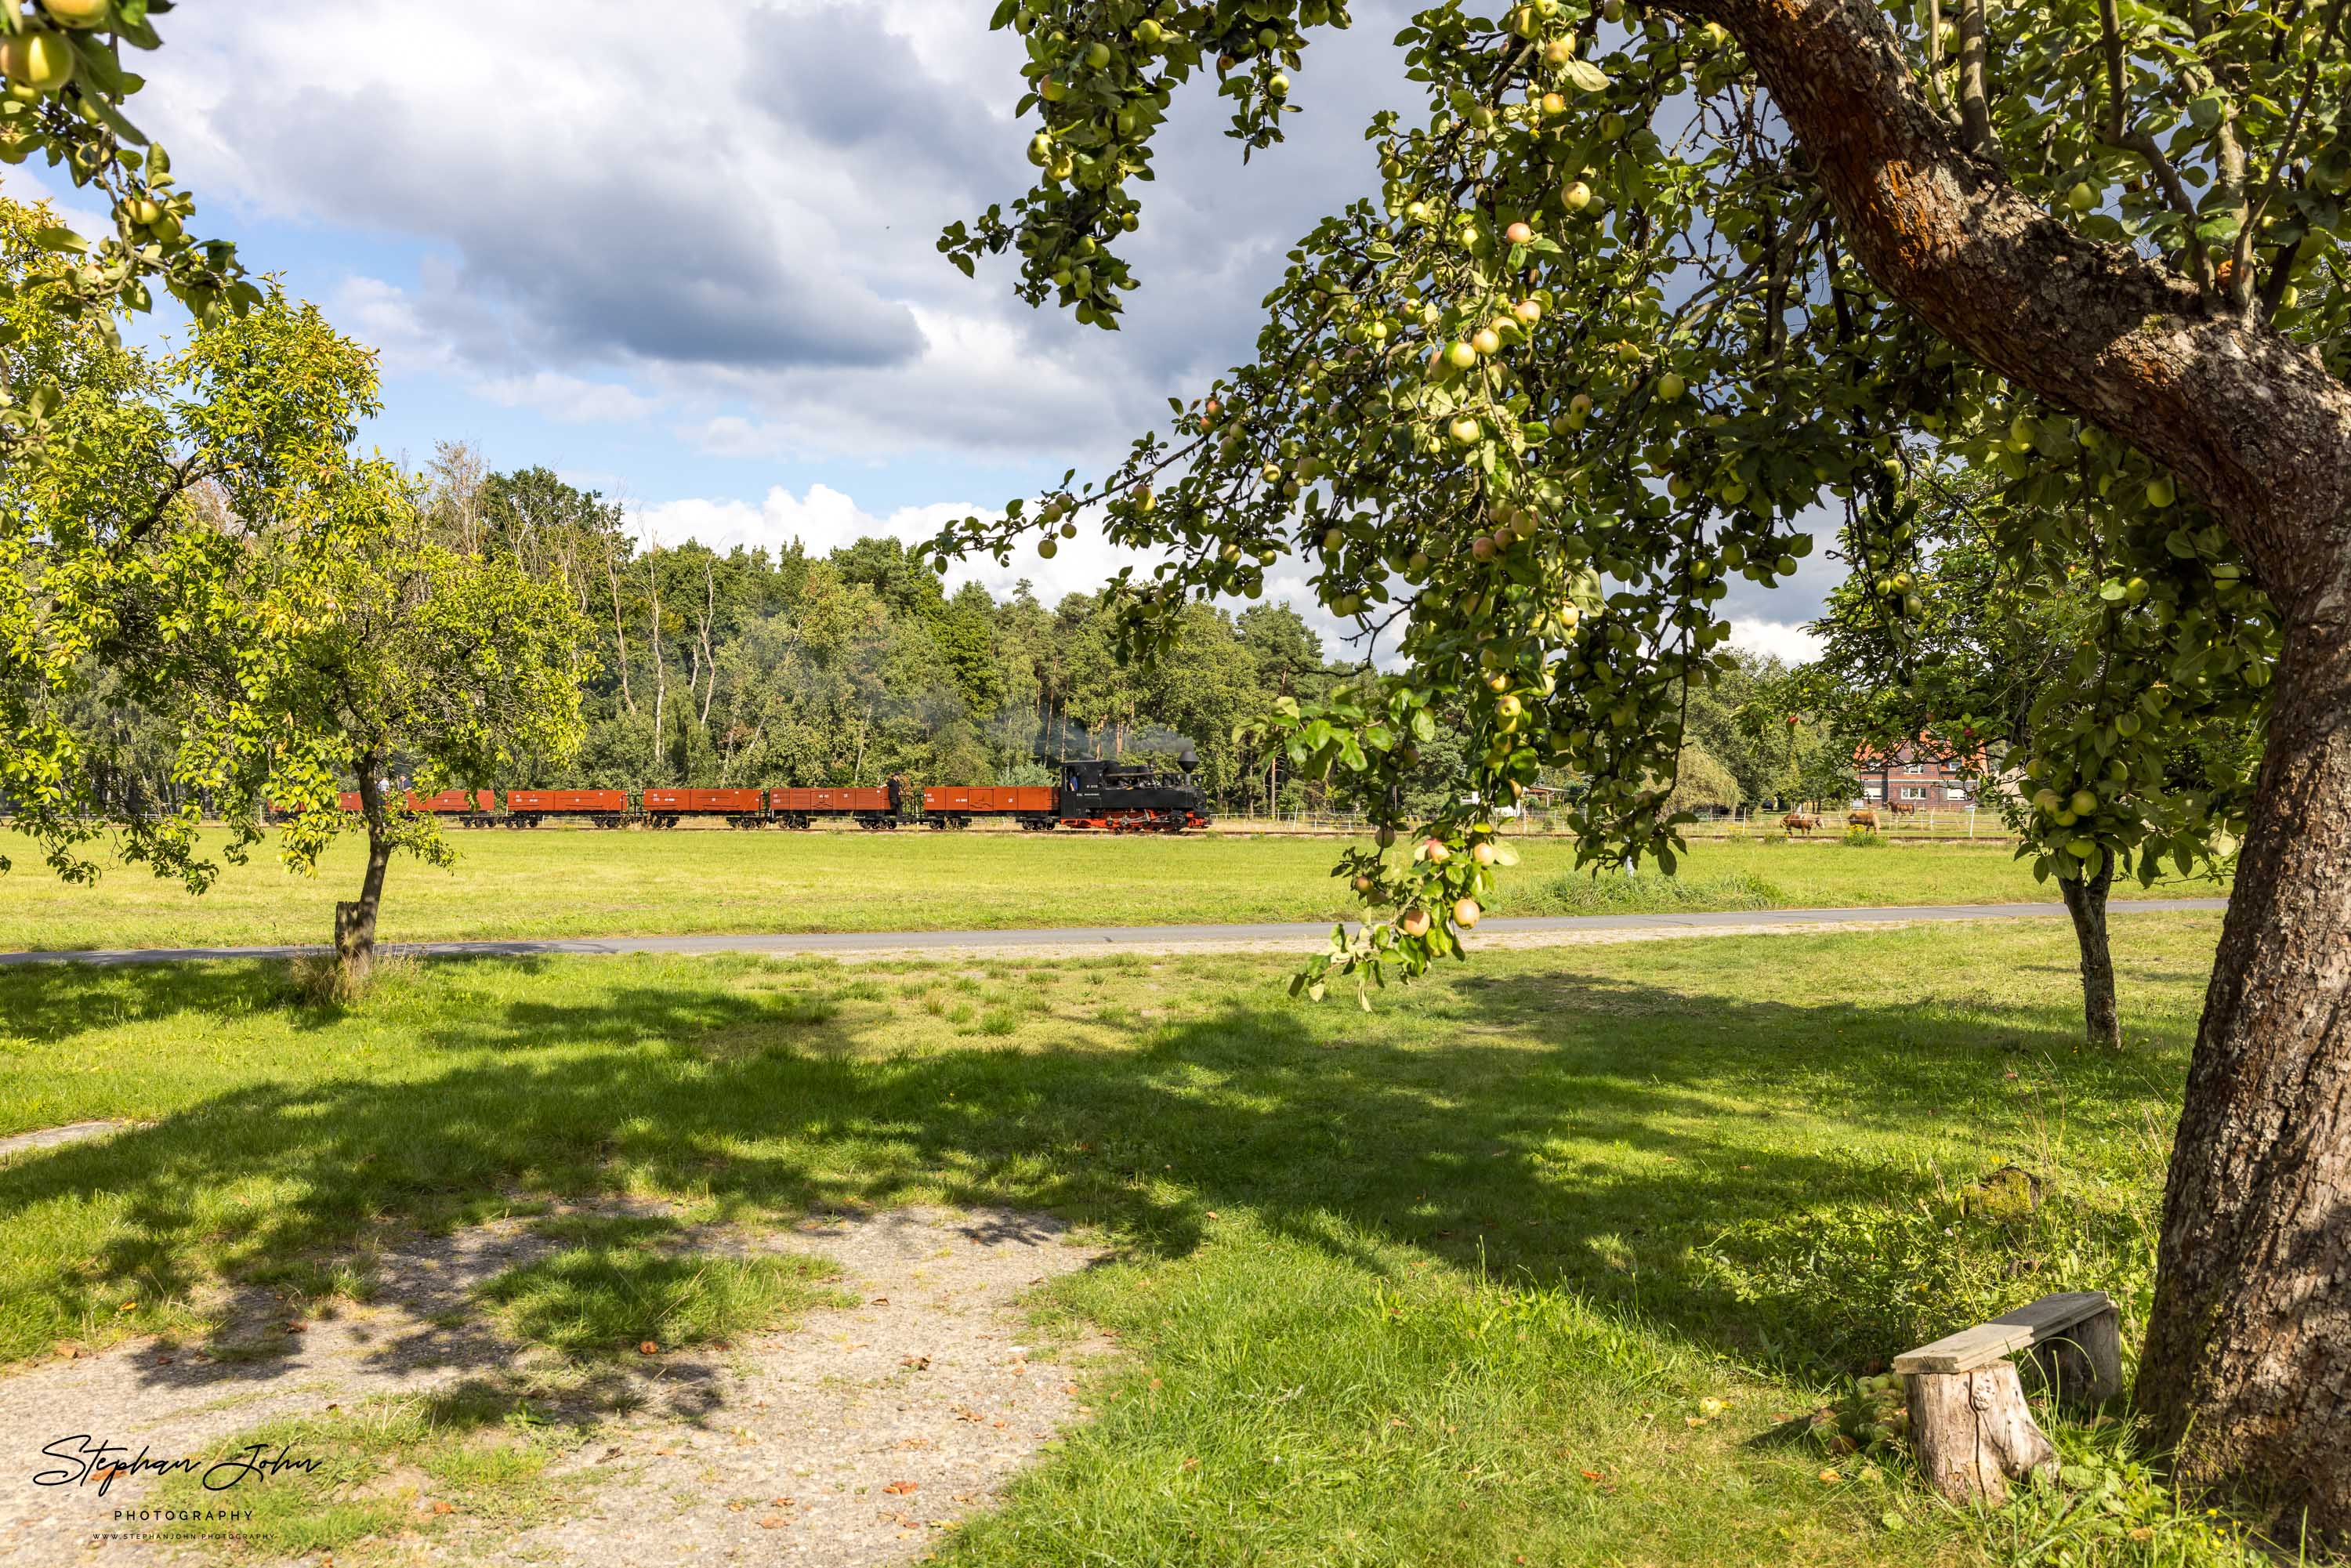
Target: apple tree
pixel 401 651
pixel 124 551
pixel 1645 289
pixel 2025 652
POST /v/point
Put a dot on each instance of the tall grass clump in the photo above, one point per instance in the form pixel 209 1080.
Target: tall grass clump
pixel 1648 893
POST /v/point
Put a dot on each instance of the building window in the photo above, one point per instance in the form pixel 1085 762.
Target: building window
pixel 1914 791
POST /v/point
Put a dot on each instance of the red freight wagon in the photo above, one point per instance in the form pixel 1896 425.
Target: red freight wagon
pixel 800 808
pixel 605 808
pixel 743 808
pixel 954 805
pixel 348 801
pixel 453 803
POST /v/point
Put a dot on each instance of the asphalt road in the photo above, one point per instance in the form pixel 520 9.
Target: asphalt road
pixel 1082 938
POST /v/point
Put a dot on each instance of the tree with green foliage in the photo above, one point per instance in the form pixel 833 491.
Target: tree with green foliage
pixel 123 554
pixel 2019 638
pixel 1643 286
pixel 404 652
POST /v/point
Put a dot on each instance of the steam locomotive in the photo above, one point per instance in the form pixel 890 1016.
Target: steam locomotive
pixel 1091 795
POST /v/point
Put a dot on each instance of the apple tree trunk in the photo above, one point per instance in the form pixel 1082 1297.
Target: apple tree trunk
pixel 2247 1364
pixel 355 921
pixel 2085 900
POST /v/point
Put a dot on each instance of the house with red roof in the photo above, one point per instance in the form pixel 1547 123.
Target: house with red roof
pixel 1917 773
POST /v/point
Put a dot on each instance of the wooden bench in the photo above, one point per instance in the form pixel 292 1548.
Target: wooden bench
pixel 1969 1422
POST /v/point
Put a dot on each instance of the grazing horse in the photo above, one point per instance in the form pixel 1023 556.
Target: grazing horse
pixel 1865 818
pixel 1803 822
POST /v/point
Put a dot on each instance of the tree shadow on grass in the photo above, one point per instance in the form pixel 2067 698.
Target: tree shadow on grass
pixel 1567 1128
pixel 49 1003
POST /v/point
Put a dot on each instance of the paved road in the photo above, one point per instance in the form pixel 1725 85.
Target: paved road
pixel 1079 937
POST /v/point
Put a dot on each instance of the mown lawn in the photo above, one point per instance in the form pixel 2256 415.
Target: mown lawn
pixel 548 884
pixel 1529 1263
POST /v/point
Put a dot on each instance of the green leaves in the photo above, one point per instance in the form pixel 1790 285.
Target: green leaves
pixel 1586 76
pixel 1589 354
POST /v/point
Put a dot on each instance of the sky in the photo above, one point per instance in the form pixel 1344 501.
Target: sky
pixel 685 256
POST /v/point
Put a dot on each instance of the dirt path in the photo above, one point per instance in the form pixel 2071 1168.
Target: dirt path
pixel 848 1441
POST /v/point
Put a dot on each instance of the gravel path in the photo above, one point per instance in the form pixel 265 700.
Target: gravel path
pixel 1068 940
pixel 51 1137
pixel 848 1441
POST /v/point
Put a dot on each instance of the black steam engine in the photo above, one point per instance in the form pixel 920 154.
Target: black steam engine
pixel 1128 798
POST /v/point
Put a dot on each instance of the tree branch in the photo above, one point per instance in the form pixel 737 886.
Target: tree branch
pixel 2253 424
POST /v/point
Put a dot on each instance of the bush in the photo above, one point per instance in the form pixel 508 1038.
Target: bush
pixel 318 981
pixel 1610 892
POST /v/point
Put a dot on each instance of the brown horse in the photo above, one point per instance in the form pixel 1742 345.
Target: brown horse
pixel 1903 808
pixel 1865 818
pixel 1805 822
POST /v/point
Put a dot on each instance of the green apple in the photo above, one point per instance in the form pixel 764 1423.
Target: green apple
pixel 43 62
pixel 1670 388
pixel 2083 802
pixel 1578 195
pixel 76 13
pixel 2081 198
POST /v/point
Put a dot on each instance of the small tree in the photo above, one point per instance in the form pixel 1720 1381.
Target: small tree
pixel 408 652
pixel 2020 653
pixel 1700 782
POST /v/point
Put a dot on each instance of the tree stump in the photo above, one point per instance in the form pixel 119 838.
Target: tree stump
pixel 1972 1432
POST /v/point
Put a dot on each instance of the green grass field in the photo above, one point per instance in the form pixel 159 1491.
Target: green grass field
pixel 634 883
pixel 1535 1262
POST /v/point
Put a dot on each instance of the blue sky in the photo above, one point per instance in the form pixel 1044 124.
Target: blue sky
pixel 685 256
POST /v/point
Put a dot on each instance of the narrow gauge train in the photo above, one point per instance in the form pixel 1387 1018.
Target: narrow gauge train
pixel 1091 796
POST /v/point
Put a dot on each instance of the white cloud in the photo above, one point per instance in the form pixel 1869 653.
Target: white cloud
pixel 569 399
pixel 824 520
pixel 731 209
pixel 1790 644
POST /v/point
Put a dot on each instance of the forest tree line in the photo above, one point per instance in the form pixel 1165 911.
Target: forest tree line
pixel 758 668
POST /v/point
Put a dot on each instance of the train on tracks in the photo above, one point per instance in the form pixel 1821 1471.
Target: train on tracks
pixel 1089 796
